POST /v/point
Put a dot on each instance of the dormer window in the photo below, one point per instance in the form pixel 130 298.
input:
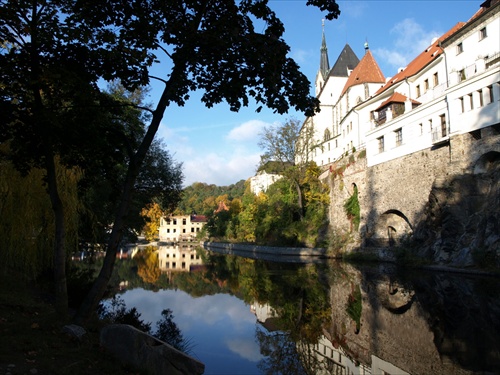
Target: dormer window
pixel 482 33
pixel 460 48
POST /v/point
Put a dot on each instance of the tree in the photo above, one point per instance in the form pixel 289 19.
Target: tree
pixel 152 213
pixel 279 143
pixel 213 46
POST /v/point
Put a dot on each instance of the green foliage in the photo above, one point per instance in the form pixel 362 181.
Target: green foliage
pixel 27 221
pixel 117 312
pixel 351 208
pixel 167 331
pixel 201 197
pixel 354 306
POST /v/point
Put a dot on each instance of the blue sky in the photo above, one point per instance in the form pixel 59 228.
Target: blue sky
pixel 217 146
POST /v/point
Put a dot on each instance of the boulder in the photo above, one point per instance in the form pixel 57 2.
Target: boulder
pixel 146 353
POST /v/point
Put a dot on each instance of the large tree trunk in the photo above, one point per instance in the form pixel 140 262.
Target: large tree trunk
pixel 90 303
pixel 60 284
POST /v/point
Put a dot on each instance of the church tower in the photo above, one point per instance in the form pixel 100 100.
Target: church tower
pixel 324 64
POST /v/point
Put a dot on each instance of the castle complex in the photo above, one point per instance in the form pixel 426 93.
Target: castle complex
pixel 396 139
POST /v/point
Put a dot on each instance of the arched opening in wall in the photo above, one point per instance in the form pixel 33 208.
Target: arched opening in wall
pixel 487 163
pixel 391 228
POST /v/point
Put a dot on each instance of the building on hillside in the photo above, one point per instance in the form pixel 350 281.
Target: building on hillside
pixel 261 181
pixel 181 228
pixel 453 87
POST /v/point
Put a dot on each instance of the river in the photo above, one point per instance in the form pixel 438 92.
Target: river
pixel 251 316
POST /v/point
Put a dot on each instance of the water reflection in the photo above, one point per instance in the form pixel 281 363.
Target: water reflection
pixel 250 316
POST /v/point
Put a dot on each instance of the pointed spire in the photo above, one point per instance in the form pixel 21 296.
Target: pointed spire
pixel 324 65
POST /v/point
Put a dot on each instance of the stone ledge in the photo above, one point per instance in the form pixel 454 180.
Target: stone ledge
pixel 146 353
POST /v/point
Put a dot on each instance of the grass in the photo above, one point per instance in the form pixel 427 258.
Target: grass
pixel 32 341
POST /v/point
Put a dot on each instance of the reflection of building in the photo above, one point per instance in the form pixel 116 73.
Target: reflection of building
pixel 181 227
pixel 333 360
pixel 265 314
pixel 261 181
pixel 178 258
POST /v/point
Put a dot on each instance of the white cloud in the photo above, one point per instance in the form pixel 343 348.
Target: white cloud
pixel 410 40
pixel 219 170
pixel 245 349
pixel 247 131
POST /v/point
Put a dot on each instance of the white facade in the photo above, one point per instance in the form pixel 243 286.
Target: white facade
pixel 261 182
pixel 453 87
pixel 181 227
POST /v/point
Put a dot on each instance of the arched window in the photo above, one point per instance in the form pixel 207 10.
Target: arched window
pixel 327 135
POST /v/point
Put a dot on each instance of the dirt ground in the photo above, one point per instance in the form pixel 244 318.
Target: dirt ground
pixel 32 341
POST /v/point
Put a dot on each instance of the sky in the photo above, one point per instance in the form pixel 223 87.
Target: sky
pixel 217 146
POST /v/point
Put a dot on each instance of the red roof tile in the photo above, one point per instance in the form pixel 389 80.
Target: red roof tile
pixel 367 71
pixel 396 98
pixel 422 60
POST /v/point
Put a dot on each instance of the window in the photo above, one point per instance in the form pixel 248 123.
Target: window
pixel 399 136
pixel 175 221
pixel 460 48
pixel 436 79
pixel 168 230
pixel 184 230
pixel 192 230
pixel 490 93
pixel 426 85
pixel 443 125
pixel 421 127
pixel 461 75
pixel 481 100
pixel 183 221
pixel 380 144
pixel 328 146
pixel 462 106
pixel 471 100
pixel 482 33
pixel 418 91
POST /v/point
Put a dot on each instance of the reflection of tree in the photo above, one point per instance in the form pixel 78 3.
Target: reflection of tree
pixel 280 354
pixel 147 265
pixel 354 306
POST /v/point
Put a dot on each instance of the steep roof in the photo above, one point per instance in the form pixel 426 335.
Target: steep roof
pixel 347 60
pixel 422 60
pixel 396 98
pixel 324 65
pixel 367 71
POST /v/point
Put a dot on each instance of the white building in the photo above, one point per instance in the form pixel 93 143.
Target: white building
pixel 181 227
pixel 451 88
pixel 261 181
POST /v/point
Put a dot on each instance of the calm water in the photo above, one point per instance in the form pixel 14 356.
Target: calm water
pixel 248 316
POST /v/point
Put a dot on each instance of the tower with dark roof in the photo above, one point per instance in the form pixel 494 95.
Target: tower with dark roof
pixel 324 64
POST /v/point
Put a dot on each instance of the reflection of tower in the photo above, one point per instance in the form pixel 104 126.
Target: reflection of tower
pixel 178 258
pixel 266 315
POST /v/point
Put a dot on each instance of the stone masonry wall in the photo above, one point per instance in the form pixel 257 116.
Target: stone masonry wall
pixel 393 195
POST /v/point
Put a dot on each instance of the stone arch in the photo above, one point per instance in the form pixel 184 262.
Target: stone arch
pixel 391 228
pixel 486 163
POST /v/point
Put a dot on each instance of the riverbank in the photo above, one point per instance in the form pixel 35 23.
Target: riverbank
pixel 32 341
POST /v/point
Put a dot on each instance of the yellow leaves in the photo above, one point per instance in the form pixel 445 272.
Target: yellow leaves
pixel 148 267
pixel 152 213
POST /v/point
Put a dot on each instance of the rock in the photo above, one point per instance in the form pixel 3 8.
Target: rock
pixel 146 353
pixel 74 331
